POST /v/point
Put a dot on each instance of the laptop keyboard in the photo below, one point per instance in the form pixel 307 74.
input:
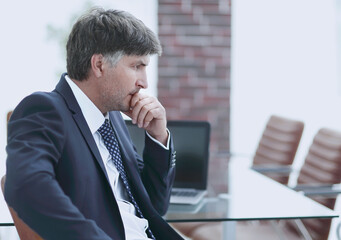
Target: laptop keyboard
pixel 186 196
pixel 180 193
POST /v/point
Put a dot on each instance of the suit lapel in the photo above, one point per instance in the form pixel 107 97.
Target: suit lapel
pixel 64 89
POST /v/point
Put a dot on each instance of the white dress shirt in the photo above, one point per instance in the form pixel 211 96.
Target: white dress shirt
pixel 135 227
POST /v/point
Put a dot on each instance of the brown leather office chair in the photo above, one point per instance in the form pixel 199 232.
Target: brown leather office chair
pixel 24 231
pixel 9 115
pixel 322 167
pixel 277 148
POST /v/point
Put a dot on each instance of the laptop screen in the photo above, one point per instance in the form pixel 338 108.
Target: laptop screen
pixel 191 143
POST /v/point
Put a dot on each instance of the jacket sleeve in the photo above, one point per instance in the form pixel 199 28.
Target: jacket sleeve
pixel 34 145
pixel 158 173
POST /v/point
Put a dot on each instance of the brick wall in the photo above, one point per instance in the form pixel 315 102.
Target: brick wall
pixel 194 70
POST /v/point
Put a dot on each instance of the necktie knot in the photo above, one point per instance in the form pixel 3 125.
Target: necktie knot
pixel 105 130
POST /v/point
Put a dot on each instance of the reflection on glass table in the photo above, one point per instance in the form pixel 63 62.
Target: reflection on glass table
pixel 250 196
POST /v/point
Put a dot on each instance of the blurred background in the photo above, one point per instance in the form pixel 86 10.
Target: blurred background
pixel 230 62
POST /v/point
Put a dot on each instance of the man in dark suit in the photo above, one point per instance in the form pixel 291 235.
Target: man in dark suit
pixel 72 170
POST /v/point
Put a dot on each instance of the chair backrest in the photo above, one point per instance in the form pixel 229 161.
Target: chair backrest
pixel 9 115
pixel 24 231
pixel 278 144
pixel 322 166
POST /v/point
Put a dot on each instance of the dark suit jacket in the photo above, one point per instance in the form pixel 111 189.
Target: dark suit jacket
pixel 56 180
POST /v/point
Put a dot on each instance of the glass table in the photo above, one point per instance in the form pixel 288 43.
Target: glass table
pixel 251 196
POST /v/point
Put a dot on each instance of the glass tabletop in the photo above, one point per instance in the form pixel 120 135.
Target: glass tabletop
pixel 251 196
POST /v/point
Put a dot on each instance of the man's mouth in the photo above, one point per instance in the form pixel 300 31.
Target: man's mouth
pixel 135 91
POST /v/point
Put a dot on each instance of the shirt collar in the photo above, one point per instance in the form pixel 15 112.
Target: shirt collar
pixel 93 116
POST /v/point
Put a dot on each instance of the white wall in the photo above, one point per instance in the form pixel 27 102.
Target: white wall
pixel 285 62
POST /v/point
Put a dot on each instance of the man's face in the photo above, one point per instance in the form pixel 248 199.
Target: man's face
pixel 122 81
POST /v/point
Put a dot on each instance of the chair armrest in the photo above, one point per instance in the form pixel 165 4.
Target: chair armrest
pixel 275 169
pixel 323 190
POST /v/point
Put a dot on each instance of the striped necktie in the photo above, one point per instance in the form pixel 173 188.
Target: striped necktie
pixel 111 144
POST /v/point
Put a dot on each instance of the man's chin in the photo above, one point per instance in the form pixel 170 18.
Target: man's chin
pixel 125 108
pixel 121 107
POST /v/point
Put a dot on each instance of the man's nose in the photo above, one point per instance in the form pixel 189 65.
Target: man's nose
pixel 142 81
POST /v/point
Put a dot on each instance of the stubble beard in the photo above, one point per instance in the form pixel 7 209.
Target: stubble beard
pixel 124 107
pixel 116 103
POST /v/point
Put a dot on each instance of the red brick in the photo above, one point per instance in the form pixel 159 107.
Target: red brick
pixel 194 70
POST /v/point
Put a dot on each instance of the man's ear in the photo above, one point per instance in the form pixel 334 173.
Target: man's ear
pixel 97 61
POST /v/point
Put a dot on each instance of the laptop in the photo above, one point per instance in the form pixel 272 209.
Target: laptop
pixel 191 142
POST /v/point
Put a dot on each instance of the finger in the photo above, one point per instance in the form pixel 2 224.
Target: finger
pixel 144 111
pixel 138 106
pixel 149 117
pixel 155 123
pixel 155 114
pixel 136 98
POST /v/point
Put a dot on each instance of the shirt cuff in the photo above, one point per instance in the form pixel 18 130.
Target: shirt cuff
pixel 159 143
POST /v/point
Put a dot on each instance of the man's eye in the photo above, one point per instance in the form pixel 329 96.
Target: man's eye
pixel 138 67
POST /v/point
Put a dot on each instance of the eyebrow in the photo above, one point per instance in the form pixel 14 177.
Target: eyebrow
pixel 141 62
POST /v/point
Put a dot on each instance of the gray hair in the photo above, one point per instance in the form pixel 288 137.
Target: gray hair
pixel 111 33
pixel 114 58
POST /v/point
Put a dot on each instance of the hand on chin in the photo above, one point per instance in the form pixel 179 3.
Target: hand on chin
pixel 148 113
